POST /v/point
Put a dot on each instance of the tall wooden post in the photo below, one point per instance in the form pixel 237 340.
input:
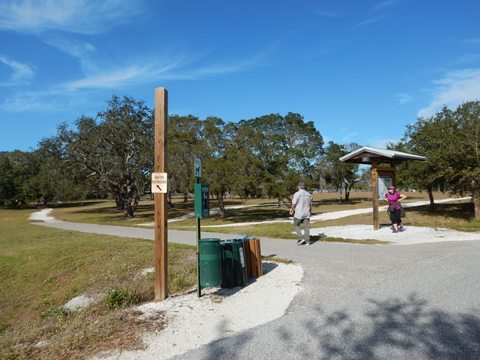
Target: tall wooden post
pixel 376 223
pixel 161 229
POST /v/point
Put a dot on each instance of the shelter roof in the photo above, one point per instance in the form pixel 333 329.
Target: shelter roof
pixel 366 154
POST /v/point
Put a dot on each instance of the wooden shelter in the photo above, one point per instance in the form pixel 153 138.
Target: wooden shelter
pixel 383 164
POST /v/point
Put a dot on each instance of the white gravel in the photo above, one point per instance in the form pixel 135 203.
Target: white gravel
pixel 193 322
pixel 411 235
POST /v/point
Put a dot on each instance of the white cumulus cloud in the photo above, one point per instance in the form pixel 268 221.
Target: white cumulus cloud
pixel 452 90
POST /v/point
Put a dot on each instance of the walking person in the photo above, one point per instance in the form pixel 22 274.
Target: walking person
pixel 394 208
pixel 301 210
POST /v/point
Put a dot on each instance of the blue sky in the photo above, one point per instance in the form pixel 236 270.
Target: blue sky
pixel 360 69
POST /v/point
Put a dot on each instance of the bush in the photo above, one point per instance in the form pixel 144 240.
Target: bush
pixel 118 298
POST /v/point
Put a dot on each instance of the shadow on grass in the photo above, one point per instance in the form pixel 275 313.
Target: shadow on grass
pixel 353 201
pixel 255 214
pixel 340 202
pixel 400 328
pixel 73 204
pixel 463 211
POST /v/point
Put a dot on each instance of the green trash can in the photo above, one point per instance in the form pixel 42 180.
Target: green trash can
pixel 234 271
pixel 210 263
pixel 228 266
pixel 240 266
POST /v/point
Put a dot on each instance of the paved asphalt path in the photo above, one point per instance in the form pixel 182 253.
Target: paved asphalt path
pixel 358 302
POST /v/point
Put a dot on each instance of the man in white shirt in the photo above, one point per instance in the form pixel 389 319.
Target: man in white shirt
pixel 301 210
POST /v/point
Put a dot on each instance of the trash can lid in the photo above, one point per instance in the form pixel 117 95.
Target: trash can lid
pixel 210 239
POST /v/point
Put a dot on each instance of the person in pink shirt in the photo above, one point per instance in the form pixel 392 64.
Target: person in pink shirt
pixel 394 208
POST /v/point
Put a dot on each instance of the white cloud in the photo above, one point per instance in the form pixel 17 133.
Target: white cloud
pixel 384 4
pixel 21 73
pixel 76 49
pixel 369 21
pixel 403 98
pixel 77 16
pixel 111 79
pixel 142 71
pixel 83 51
pixel 31 101
pixel 454 89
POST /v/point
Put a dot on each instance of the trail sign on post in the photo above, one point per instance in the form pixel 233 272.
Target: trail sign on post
pixel 159 183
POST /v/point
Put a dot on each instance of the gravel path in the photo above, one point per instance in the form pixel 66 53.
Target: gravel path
pixel 411 235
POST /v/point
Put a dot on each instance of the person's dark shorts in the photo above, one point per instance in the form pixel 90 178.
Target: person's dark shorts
pixel 395 216
pixel 298 222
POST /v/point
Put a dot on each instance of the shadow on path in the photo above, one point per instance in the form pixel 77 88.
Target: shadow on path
pixel 392 328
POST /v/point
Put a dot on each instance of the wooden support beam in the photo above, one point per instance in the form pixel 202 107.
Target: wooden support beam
pixel 376 223
pixel 161 229
pixel 394 180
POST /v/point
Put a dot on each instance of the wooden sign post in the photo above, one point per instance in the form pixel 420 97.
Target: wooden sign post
pixel 376 222
pixel 160 166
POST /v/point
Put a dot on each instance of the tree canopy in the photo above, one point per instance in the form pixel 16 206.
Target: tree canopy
pixel 450 140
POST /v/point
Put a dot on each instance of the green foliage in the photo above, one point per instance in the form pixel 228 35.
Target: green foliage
pixel 338 173
pixel 116 149
pixel 118 298
pixel 283 149
pixel 451 142
pixel 58 312
pixel 267 155
pixel 183 146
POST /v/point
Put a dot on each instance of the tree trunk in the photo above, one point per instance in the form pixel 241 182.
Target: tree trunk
pixel 476 203
pixel 347 192
pixel 185 197
pixel 128 210
pixel 119 202
pixel 430 196
pixel 221 205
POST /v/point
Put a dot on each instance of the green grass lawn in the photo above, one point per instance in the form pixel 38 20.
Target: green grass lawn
pixel 42 268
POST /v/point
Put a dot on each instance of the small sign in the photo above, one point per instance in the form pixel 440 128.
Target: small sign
pixel 383 183
pixel 159 183
pixel 197 164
